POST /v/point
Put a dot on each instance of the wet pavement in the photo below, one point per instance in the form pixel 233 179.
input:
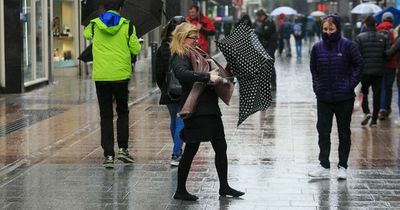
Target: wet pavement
pixel 50 154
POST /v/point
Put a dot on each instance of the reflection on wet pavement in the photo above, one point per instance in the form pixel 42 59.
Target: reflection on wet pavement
pixel 54 163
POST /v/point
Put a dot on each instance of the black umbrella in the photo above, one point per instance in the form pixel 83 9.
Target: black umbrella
pixel 145 15
pixel 89 10
pixel 252 67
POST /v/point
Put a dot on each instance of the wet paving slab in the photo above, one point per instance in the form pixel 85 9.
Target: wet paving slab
pixel 269 157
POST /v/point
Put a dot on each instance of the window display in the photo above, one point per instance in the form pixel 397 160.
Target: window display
pixel 65 33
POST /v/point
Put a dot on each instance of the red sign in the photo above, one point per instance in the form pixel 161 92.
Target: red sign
pixel 322 7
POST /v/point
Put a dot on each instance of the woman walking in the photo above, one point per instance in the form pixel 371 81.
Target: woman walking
pixel 205 123
pixel 336 65
pixel 163 56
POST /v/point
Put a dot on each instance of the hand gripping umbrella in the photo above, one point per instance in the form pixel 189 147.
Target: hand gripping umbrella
pixel 201 62
pixel 252 67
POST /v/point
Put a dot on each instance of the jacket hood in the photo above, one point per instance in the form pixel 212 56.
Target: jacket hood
pixel 336 20
pixel 334 37
pixel 109 22
pixel 384 26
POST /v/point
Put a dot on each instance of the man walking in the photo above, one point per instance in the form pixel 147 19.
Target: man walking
pixel 372 46
pixel 266 32
pixel 204 24
pixel 114 40
pixel 386 28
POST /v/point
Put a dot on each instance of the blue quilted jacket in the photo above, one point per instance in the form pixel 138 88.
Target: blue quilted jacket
pixel 336 67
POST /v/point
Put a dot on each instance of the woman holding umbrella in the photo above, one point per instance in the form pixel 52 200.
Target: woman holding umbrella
pixel 205 123
pixel 336 65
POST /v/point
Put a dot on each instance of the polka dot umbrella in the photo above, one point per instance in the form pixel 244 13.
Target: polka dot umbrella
pixel 252 66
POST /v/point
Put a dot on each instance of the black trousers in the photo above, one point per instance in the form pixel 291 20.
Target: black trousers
pixel 342 111
pixel 105 93
pixel 376 83
pixel 221 163
pixel 271 52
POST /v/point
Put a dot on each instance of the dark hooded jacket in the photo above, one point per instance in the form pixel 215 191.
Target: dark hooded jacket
pixel 336 66
pixel 162 59
pixel 266 33
pixel 372 46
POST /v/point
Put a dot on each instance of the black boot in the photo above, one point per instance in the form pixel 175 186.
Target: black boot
pixel 185 196
pixel 231 192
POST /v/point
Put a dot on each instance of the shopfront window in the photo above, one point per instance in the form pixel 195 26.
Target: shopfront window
pixel 34 41
pixel 2 59
pixel 27 37
pixel 40 73
pixel 65 33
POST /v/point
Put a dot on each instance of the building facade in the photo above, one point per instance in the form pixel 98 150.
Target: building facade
pixel 44 41
pixel 41 39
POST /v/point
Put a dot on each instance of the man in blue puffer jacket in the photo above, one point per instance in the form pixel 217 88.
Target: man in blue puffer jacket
pixel 336 65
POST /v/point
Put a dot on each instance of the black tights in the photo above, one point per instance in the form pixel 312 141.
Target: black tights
pixel 221 163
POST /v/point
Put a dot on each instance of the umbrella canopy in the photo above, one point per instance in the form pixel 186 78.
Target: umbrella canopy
pixel 317 14
pixel 90 9
pixel 366 8
pixel 395 12
pixel 285 10
pixel 252 67
pixel 145 14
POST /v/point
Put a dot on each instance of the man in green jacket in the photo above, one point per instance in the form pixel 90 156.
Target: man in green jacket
pixel 112 70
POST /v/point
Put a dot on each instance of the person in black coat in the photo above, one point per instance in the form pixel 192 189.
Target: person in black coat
pixel 205 123
pixel 245 19
pixel 162 65
pixel 372 46
pixel 265 29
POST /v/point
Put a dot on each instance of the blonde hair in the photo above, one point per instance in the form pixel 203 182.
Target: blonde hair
pixel 181 32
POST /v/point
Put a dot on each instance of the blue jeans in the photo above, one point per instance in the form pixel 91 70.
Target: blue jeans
pixel 298 46
pixel 176 125
pixel 387 89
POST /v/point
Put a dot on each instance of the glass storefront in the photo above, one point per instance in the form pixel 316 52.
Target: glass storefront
pixel 2 61
pixel 65 33
pixel 34 41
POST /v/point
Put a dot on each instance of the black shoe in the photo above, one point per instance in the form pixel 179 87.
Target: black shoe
pixel 231 192
pixel 185 196
pixel 373 124
pixel 382 115
pixel 124 156
pixel 366 119
pixel 108 162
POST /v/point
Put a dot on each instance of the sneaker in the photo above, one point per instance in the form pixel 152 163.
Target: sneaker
pixel 364 122
pixel 175 160
pixel 382 115
pixel 342 173
pixel 373 124
pixel 123 155
pixel 320 172
pixel 108 162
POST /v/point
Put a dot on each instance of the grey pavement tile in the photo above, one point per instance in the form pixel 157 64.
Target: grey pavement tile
pixel 300 207
pixel 387 197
